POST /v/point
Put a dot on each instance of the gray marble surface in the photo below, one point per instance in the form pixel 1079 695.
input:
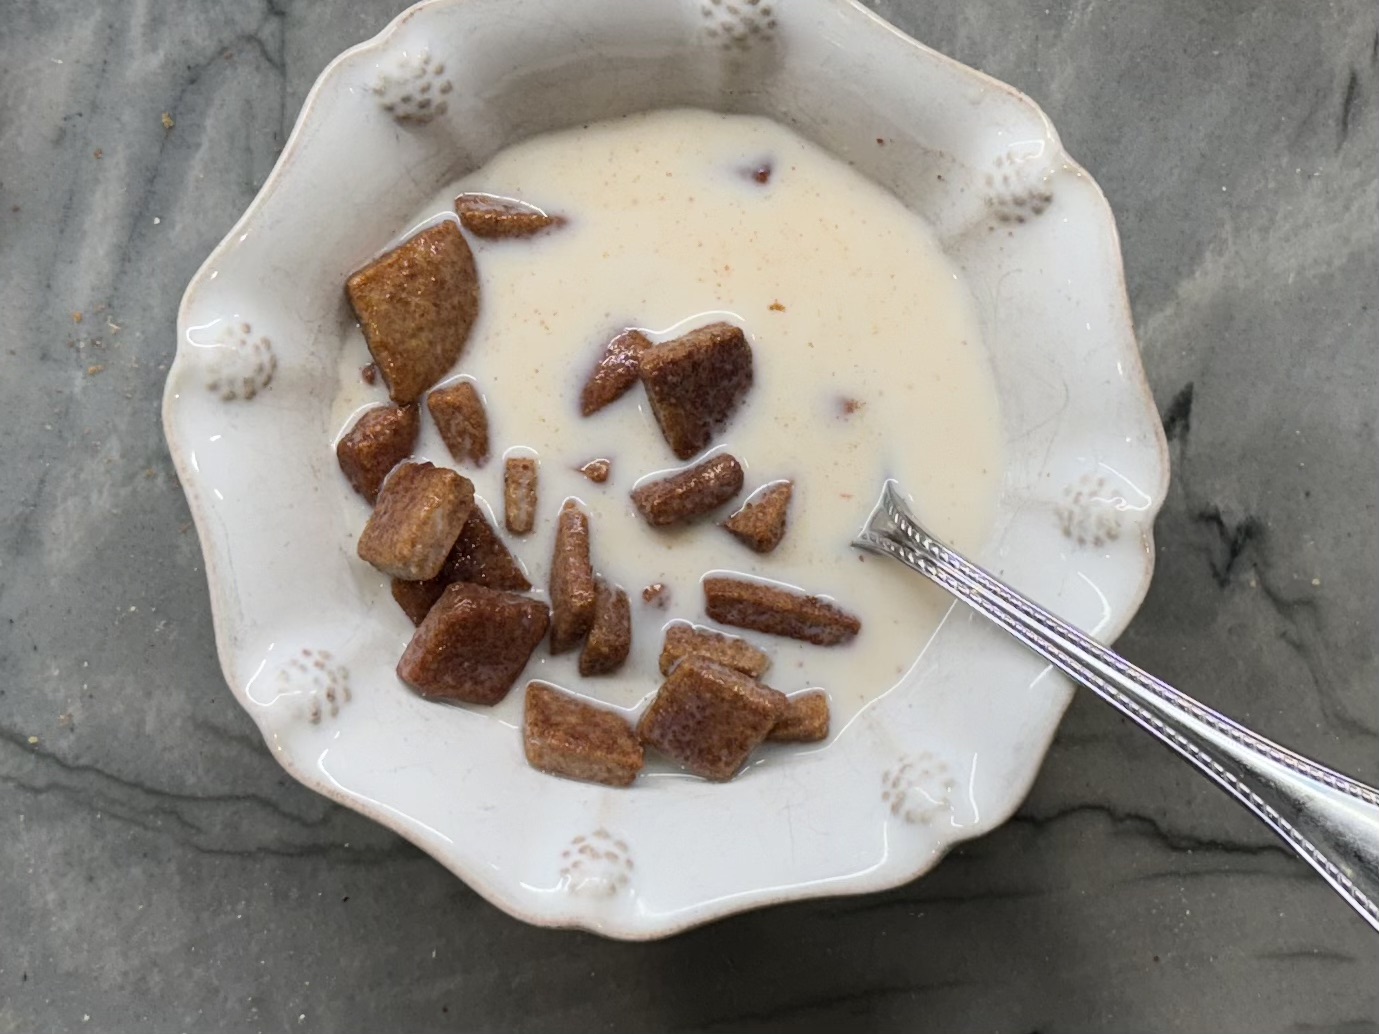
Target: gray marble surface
pixel 158 872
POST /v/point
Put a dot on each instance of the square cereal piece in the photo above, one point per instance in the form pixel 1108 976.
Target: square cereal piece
pixel 805 719
pixel 615 372
pixel 683 639
pixel 760 523
pixel 417 598
pixel 709 717
pixel 565 736
pixel 610 636
pixel 519 494
pixel 379 440
pixel 695 384
pixel 777 611
pixel 494 218
pixel 416 305
pixel 473 644
pixel 689 493
pixel 480 556
pixel 420 511
pixel 572 579
pixel 459 415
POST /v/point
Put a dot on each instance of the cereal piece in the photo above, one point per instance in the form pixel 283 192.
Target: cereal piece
pixel 417 598
pixel 615 372
pixel 597 471
pixel 416 305
pixel 805 719
pixel 689 493
pixel 460 418
pixel 478 557
pixel 379 440
pixel 420 511
pixel 473 644
pixel 481 558
pixel 368 373
pixel 760 523
pixel 709 717
pixel 519 494
pixel 610 636
pixel 767 608
pixel 695 384
pixel 684 639
pixel 657 594
pixel 572 579
pixel 494 218
pixel 565 736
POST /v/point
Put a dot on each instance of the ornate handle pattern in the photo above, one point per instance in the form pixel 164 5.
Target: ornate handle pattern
pixel 1329 819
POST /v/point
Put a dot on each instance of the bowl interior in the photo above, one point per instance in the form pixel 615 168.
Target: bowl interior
pixel 946 755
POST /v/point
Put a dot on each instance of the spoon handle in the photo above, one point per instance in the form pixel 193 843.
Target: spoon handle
pixel 1329 819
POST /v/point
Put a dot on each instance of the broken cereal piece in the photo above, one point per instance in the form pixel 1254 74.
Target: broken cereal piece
pixel 416 305
pixel 776 611
pixel 519 494
pixel 458 412
pixel 420 511
pixel 689 493
pixel 597 471
pixel 481 558
pixel 805 719
pixel 760 523
pixel 493 217
pixel 695 384
pixel 610 636
pixel 565 736
pixel 572 579
pixel 379 440
pixel 417 598
pixel 473 644
pixel 657 594
pixel 708 717
pixel 615 372
pixel 683 639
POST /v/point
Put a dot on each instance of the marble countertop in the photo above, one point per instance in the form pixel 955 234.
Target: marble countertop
pixel 158 872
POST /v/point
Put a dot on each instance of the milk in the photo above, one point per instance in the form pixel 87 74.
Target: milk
pixel 868 365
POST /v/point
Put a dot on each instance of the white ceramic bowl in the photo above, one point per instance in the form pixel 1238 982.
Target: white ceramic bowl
pixel 948 754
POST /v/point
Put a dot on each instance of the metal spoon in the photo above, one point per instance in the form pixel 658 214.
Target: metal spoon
pixel 1329 819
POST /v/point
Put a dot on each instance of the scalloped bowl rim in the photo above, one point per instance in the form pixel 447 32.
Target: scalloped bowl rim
pixel 221 590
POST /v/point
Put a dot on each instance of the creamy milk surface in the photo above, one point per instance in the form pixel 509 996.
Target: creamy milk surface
pixel 868 365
